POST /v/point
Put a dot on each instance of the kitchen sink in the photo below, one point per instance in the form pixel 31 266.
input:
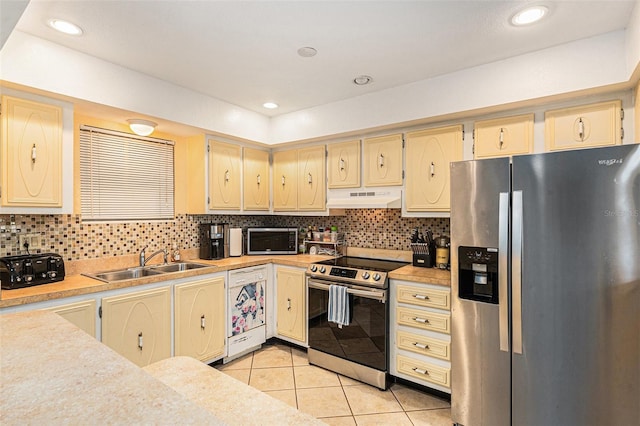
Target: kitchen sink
pixel 144 271
pixel 177 267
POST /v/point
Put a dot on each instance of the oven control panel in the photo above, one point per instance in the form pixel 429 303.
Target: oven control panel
pixel 348 275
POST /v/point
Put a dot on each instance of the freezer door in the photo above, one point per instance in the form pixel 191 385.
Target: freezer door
pixel 479 368
pixel 580 286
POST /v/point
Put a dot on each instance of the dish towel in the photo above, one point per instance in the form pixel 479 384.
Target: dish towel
pixel 338 305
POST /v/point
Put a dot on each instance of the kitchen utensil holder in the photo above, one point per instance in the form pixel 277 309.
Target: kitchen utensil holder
pixel 421 255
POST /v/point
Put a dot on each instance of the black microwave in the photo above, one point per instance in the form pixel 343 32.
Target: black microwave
pixel 272 241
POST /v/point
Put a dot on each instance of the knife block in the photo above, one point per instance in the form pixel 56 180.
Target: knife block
pixel 422 255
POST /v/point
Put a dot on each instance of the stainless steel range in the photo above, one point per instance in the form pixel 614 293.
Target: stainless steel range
pixel 360 349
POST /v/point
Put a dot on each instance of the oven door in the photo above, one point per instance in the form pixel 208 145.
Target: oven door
pixel 364 340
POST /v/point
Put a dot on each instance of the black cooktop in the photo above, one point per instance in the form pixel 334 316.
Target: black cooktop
pixel 364 263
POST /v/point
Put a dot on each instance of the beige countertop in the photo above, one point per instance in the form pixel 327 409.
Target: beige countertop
pixel 76 284
pixel 51 372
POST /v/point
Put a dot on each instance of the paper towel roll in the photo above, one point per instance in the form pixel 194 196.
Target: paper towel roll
pixel 235 242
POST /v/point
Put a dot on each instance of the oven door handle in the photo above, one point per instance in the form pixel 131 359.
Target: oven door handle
pixel 369 294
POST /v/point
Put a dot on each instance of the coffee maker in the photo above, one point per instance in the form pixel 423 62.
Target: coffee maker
pixel 214 241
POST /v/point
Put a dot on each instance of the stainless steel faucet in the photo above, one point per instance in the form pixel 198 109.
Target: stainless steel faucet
pixel 143 260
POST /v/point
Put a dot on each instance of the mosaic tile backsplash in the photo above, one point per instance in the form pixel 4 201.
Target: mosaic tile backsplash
pixel 68 236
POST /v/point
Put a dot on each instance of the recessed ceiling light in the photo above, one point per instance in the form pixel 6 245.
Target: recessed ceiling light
pixel 307 52
pixel 529 15
pixel 361 80
pixel 65 27
pixel 270 105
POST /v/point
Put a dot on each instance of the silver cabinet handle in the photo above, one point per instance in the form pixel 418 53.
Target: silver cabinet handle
pixel 421 320
pixel 420 371
pixel 342 164
pixel 33 153
pixel 581 129
pixel 501 138
pixel 283 180
pixel 503 279
pixel 288 304
pixel 516 271
pixel 202 322
pixel 381 160
pixel 421 296
pixel 140 341
pixel 226 175
pixel 433 169
pixel 421 345
pixel 258 179
pixel 309 179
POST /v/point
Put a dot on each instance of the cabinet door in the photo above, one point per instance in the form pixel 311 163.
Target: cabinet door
pixel 81 314
pixel 584 126
pixel 311 178
pixel 200 319
pixel 429 154
pixel 344 164
pixel 292 302
pixel 138 325
pixel 383 161
pixel 31 153
pixel 505 136
pixel 224 176
pixel 256 179
pixel 285 180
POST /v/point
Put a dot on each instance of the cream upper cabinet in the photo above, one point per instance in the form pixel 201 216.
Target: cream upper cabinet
pixel 285 180
pixel 504 136
pixel 428 156
pixel 585 126
pixel 31 154
pixel 344 164
pixel 138 325
pixel 383 161
pixel 199 319
pixel 81 314
pixel 291 303
pixel 255 179
pixel 311 178
pixel 224 176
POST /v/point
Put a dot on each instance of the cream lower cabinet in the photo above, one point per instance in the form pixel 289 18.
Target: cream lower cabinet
pixel 138 325
pixel 81 314
pixel 429 154
pixel 291 301
pixel 31 154
pixel 420 327
pixel 200 319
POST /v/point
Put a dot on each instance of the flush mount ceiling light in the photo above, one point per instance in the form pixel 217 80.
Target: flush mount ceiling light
pixel 529 15
pixel 142 127
pixel 65 27
pixel 270 105
pixel 361 80
pixel 307 52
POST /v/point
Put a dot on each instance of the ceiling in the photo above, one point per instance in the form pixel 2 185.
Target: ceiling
pixel 245 52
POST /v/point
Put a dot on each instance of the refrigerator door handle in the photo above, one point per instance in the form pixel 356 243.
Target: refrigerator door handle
pixel 516 271
pixel 503 277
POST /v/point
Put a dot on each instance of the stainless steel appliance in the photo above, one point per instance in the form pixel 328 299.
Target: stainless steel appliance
pixel 546 289
pixel 272 240
pixel 246 329
pixel 30 269
pixel 214 240
pixel 358 350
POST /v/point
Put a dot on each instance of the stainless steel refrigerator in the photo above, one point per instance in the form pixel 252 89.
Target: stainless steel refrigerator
pixel 545 261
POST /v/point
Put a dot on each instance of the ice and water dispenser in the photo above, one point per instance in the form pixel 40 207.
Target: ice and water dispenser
pixel 478 274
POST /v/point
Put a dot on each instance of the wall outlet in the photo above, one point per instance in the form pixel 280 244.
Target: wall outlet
pixel 32 239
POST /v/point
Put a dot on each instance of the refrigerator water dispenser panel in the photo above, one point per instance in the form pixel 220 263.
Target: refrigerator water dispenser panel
pixel 478 274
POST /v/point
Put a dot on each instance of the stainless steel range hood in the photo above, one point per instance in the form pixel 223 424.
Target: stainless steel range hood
pixel 364 199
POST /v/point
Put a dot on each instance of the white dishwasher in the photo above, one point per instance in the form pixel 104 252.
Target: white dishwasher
pixel 246 326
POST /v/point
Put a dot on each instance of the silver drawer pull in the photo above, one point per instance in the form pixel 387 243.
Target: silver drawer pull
pixel 140 341
pixel 202 322
pixel 421 345
pixel 421 296
pixel 421 371
pixel 422 320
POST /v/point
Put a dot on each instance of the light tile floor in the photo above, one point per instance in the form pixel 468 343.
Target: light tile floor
pixel 284 373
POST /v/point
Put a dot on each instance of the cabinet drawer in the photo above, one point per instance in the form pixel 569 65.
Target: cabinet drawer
pixel 424 371
pixel 423 320
pixel 424 345
pixel 424 297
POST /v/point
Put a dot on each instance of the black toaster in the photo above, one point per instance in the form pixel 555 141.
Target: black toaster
pixel 27 270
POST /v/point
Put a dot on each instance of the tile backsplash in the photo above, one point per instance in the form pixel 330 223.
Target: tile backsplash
pixel 75 240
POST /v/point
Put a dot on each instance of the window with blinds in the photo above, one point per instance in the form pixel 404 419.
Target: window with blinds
pixel 125 177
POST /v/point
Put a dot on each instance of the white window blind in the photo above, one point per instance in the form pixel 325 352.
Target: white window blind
pixel 125 177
